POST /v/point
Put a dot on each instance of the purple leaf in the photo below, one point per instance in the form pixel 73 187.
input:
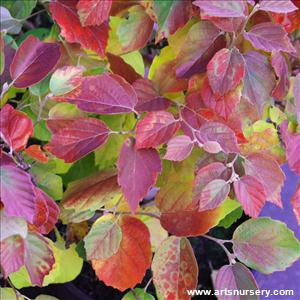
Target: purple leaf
pixel 33 61
pixel 229 8
pixel 179 148
pixel 220 133
pixel 270 37
pixel 277 6
pixel 296 92
pixel 17 192
pixel 235 277
pixel 259 79
pixel 137 172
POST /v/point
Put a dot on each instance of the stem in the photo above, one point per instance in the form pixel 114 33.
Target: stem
pixel 147 285
pixel 230 256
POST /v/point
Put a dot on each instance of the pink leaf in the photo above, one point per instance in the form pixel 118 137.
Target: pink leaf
pixel 268 36
pixel 17 190
pixel 235 277
pixel 268 172
pixel 277 6
pixel 213 194
pixel 296 91
pixel 252 195
pixel 296 203
pixel 93 12
pixel 259 79
pixel 137 172
pixel 226 24
pixel 179 148
pixel 155 129
pixel 225 70
pixel 90 37
pixel 103 94
pixel 282 71
pixel 33 61
pixel 220 133
pixel 10 226
pixel 148 97
pixel 231 8
pixel 78 138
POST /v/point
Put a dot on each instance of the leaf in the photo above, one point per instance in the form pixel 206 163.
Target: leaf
pixel 12 226
pixel 265 245
pixel 149 98
pixel 179 148
pixel 223 9
pixel 92 192
pixel 213 194
pixel 133 257
pixel 15 127
pixel 175 269
pixel 90 37
pixel 170 15
pixel 155 129
pixel 18 8
pixel 33 61
pixel 9 294
pixel 8 23
pixel 35 152
pixel 17 190
pixel 268 36
pixel 92 13
pixel 282 72
pixel 283 6
pixel 236 277
pixel 234 214
pixel 65 80
pixel 135 30
pixel 103 94
pixel 296 203
pixel 138 292
pixel 103 240
pixel 80 137
pixel 137 172
pixel 259 79
pixel 195 54
pixel 225 70
pixel 220 133
pixel 296 92
pixel 251 193
pixel 268 172
pixel 12 254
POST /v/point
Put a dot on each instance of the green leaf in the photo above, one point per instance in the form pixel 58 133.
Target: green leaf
pixel 40 33
pixel 19 9
pixel 41 88
pixel 138 293
pixel 266 245
pixel 234 213
pixel 8 294
pixel 135 59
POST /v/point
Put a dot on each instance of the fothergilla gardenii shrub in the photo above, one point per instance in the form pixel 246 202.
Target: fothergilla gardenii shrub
pixel 128 127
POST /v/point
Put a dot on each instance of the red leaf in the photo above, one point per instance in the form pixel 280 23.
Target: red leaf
pixel 179 148
pixel 133 257
pixel 17 190
pixel 220 133
pixel 90 37
pixel 78 138
pixel 148 97
pixel 11 254
pixel 268 172
pixel 222 105
pixel 236 277
pixel 194 56
pixel 282 71
pixel 93 12
pixel 33 61
pixel 252 195
pixel 268 36
pixel 103 94
pixel 155 129
pixel 175 269
pixel 282 6
pixel 259 79
pixel 15 127
pixel 137 172
pixel 296 203
pixel 35 152
pixel 120 67
pixel 225 70
pixel 231 8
